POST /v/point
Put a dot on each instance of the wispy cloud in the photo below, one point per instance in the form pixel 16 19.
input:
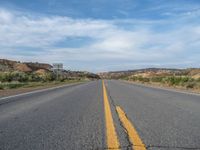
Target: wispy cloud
pixel 136 41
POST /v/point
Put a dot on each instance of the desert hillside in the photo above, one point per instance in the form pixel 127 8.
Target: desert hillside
pixel 152 72
pixel 176 78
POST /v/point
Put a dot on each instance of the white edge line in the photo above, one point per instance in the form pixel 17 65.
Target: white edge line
pixel 163 88
pixel 37 91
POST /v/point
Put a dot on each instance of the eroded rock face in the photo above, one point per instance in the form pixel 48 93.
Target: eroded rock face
pixel 195 73
pixel 37 66
pixel 22 67
pixel 9 65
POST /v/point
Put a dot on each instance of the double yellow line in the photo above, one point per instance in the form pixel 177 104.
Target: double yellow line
pixel 111 135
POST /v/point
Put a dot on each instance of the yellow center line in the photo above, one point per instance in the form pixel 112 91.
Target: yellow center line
pixel 131 131
pixel 111 135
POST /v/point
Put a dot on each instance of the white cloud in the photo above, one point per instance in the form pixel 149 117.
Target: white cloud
pixel 5 16
pixel 110 41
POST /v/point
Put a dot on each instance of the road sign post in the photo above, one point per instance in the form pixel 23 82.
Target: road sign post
pixel 56 68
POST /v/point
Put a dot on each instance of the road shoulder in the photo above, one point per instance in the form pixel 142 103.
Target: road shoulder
pixel 20 91
pixel 172 89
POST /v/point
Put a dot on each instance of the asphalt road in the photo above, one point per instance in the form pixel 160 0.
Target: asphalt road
pixel 74 117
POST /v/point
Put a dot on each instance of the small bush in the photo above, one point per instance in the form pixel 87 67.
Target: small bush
pixel 191 85
pixel 62 80
pixel 1 87
pixel 180 81
pixel 145 80
pixel 11 85
pixel 134 78
pixel 15 85
pixel 156 79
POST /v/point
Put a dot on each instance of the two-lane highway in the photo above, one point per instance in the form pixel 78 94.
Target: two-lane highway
pixel 100 115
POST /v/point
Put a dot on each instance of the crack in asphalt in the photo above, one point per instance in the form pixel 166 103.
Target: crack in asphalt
pixel 120 123
pixel 156 146
pixel 152 146
pixel 172 147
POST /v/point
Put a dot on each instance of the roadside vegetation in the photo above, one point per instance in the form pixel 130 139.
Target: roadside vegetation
pixel 185 82
pixel 32 75
pixel 16 79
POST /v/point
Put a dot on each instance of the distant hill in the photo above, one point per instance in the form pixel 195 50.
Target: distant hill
pixel 151 72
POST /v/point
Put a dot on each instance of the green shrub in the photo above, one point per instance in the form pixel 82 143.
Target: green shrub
pixel 5 77
pixel 25 77
pixel 47 77
pixel 185 79
pixel 174 80
pixel 13 76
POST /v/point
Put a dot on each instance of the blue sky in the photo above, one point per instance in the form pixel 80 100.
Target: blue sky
pixel 102 35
